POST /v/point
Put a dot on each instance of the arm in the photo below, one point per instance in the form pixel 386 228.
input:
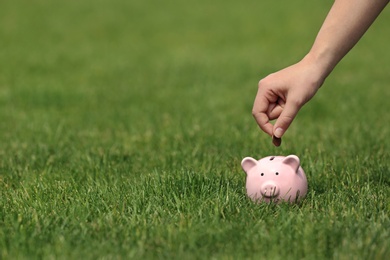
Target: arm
pixel 280 95
pixel 345 24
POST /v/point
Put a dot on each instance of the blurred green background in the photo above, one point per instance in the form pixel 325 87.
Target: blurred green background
pixel 123 124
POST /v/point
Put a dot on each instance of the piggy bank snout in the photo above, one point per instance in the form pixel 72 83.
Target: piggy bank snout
pixel 270 189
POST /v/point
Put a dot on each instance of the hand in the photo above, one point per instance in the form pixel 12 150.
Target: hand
pixel 282 94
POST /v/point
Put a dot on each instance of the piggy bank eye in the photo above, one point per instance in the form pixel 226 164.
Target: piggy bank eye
pixel 273 157
pixel 276 173
pixel 262 174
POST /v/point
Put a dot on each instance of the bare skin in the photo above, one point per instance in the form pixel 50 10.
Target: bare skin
pixel 282 94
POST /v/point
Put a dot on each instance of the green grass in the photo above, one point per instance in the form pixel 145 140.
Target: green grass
pixel 123 124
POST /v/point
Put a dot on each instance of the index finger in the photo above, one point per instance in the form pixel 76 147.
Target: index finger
pixel 259 112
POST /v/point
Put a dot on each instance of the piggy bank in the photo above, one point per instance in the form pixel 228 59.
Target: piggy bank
pixel 275 178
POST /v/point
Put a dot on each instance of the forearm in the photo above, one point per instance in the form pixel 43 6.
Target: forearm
pixel 345 24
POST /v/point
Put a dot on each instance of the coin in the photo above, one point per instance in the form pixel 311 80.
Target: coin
pixel 276 141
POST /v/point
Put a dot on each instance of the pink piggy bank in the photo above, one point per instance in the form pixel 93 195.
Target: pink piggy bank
pixel 275 178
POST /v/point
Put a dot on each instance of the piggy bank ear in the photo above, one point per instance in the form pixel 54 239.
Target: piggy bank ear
pixel 248 163
pixel 293 161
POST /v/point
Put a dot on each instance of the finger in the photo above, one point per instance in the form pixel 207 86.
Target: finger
pixel 259 112
pixel 263 122
pixel 274 112
pixel 285 119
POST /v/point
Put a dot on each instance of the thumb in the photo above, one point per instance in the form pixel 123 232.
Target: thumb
pixel 285 119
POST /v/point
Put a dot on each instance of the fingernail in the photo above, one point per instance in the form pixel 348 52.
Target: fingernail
pixel 278 132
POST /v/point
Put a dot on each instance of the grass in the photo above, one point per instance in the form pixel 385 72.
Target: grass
pixel 123 124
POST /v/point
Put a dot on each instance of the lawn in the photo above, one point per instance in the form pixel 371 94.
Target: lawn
pixel 123 125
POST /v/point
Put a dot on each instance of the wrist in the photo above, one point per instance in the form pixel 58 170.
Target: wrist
pixel 321 64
